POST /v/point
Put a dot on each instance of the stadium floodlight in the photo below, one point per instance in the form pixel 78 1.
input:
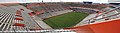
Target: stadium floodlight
pixel 42 1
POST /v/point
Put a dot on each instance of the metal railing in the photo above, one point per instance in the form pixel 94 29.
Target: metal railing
pixel 106 12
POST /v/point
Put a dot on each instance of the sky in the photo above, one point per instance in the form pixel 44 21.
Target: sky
pixel 95 1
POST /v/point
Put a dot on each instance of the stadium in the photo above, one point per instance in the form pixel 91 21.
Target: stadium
pixel 71 16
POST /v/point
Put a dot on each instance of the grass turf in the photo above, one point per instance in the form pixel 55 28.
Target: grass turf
pixel 65 20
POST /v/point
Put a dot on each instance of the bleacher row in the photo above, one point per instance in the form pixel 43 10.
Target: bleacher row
pixel 112 13
pixel 49 10
pixel 94 6
pixel 11 20
pixel 83 10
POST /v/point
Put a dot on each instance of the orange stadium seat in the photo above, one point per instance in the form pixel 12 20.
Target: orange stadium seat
pixel 19 18
pixel 31 14
pixel 22 9
pixel 19 24
pixel 18 15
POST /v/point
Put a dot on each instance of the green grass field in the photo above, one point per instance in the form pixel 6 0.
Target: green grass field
pixel 65 20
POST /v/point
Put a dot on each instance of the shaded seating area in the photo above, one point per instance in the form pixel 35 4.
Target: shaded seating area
pixel 83 10
pixel 94 6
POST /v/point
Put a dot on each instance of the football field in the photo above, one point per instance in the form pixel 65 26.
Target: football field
pixel 65 20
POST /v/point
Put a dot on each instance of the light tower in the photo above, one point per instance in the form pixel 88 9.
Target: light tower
pixel 42 1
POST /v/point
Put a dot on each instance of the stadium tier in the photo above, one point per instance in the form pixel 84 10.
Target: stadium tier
pixel 48 10
pixel 34 17
pixel 12 18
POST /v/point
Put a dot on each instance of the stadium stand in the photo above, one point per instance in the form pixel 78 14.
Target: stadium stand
pixel 83 10
pixel 17 18
pixel 104 25
pixel 107 15
pixel 49 10
pixel 12 18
